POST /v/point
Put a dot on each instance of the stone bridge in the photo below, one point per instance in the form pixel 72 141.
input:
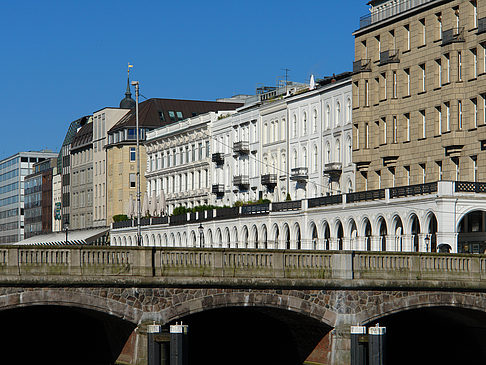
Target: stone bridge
pixel 296 305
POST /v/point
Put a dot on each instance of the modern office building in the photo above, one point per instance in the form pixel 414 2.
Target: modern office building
pixel 419 89
pixel 38 198
pixel 13 170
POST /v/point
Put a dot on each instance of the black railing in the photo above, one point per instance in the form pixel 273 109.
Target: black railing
pixel 145 222
pixel 283 206
pixel 390 56
pixel 365 195
pixel 218 158
pixel 325 200
pixel 122 224
pixel 481 25
pixel 452 35
pixel 269 179
pixel 363 65
pixel 410 190
pixel 177 219
pixel 469 187
pixel 226 213
pixel 160 220
pixel 255 209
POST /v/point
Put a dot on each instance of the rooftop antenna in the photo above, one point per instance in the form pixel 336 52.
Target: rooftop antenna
pixel 286 78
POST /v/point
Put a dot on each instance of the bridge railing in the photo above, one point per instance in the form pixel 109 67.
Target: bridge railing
pixel 207 266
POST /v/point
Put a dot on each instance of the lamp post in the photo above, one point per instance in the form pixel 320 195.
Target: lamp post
pixel 201 235
pixel 427 242
pixel 66 228
pixel 139 235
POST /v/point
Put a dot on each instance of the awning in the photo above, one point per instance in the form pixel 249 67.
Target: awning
pixel 75 237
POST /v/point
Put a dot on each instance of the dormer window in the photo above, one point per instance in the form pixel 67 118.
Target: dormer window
pixel 172 116
pixel 161 116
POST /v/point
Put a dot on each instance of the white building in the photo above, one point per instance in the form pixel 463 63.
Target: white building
pixel 179 161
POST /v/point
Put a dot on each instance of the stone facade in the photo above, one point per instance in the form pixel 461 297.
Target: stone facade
pixel 418 94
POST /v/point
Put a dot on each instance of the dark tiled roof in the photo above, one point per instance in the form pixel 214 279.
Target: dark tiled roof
pixel 83 137
pixel 149 112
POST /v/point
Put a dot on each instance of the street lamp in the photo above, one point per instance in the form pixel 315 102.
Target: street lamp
pixel 201 235
pixel 139 235
pixel 427 242
pixel 66 228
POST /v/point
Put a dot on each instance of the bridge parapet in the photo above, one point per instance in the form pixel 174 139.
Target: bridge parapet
pixel 238 267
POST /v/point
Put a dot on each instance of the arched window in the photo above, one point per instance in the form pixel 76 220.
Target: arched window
pixel 304 157
pixel 337 158
pixel 282 130
pixel 348 110
pixel 294 159
pixel 283 164
pixel 294 126
pixel 314 121
pixel 349 150
pixel 272 132
pixel 277 132
pixel 265 127
pixel 327 153
pixel 304 123
pixel 315 159
pixel 338 113
pixel 328 117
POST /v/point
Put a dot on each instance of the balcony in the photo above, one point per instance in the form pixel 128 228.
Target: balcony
pixel 453 35
pixel 390 56
pixel 241 147
pixel 481 25
pixel 269 179
pixel 299 174
pixel 242 181
pixel 363 65
pixel 334 170
pixel 217 189
pixel 218 158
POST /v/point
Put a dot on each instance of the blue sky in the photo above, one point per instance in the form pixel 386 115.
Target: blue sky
pixel 61 60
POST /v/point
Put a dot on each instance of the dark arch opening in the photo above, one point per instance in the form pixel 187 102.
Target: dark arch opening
pixel 472 233
pixel 340 235
pixel 252 335
pixel 433 233
pixel 315 237
pixel 415 233
pixel 368 235
pixel 62 335
pixel 327 236
pixel 383 233
pixel 435 335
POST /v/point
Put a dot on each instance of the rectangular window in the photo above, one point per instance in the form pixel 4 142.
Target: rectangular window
pixel 407 37
pixel 439 25
pixel 132 178
pixel 424 126
pixel 407 124
pixel 383 76
pixel 422 76
pixel 394 84
pixel 407 174
pixel 439 73
pixel 366 93
pixel 439 120
pixel 179 115
pixel 423 30
pixel 133 154
pixel 407 80
pixel 424 174
pixel 395 129
pixel 367 136
pixel 383 121
pixel 448 67
pixel 474 160
pixel 356 128
pixel 448 116
pixel 459 66
pixel 474 6
pixel 459 114
pixel 474 104
pixel 161 116
pixel 439 170
pixel 172 116
pixel 474 55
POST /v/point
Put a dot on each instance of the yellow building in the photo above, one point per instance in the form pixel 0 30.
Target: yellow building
pixel 121 182
pixel 419 93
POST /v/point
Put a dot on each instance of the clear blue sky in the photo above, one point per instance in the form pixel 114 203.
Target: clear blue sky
pixel 61 60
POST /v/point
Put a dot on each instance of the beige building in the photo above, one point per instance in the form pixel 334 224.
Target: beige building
pixel 121 146
pixel 56 201
pixel 419 93
pixel 103 121
pixel 82 178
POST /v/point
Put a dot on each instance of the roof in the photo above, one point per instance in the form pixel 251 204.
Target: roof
pixel 83 137
pixel 154 113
